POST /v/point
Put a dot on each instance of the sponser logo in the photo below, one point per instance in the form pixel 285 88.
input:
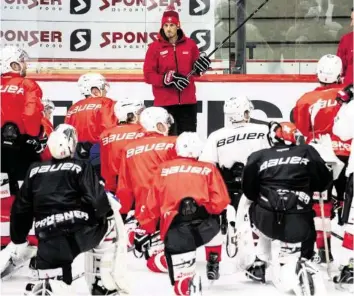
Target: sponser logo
pixel 202 38
pixel 136 5
pixel 80 40
pixel 127 39
pixel 149 147
pixel 46 5
pixel 67 166
pixel 120 137
pixel 240 137
pixel 80 6
pixel 32 38
pixel 199 7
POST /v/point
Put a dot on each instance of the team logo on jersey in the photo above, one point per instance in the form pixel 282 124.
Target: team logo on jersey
pixel 185 169
pixel 283 160
pixel 240 137
pixel 67 166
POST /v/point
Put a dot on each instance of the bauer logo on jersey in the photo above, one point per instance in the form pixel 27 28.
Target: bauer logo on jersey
pixel 202 38
pixel 148 148
pixel 120 137
pixel 80 6
pixel 199 7
pixel 12 89
pixel 85 107
pixel 185 169
pixel 67 166
pixel 283 160
pixel 80 40
pixel 62 217
pixel 240 137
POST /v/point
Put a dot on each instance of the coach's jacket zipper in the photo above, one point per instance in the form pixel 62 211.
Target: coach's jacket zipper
pixel 179 92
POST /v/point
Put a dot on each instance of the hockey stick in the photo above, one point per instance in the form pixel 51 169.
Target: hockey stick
pixel 313 113
pixel 230 35
pixel 337 236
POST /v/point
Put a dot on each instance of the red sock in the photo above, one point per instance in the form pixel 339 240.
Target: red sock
pixel 213 249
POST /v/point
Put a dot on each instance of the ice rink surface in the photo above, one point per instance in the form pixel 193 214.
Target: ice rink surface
pixel 145 283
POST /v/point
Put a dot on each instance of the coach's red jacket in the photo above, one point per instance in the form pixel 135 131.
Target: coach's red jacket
pixel 162 57
pixel 345 52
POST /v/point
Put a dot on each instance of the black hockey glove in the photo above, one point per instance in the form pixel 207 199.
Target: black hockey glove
pixel 38 145
pixel 142 240
pixel 202 64
pixel 345 95
pixel 174 79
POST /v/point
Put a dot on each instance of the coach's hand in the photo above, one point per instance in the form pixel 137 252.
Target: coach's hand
pixel 174 79
pixel 202 64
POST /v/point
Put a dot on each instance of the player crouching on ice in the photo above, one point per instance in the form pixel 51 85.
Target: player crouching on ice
pixel 186 200
pixel 72 215
pixel 279 183
pixel 344 128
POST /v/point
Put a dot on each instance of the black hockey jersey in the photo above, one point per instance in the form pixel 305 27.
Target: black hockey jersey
pixel 55 193
pixel 299 169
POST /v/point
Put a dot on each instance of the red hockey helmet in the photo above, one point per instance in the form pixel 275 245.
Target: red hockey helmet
pixel 284 133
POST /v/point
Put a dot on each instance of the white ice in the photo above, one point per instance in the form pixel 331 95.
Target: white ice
pixel 145 283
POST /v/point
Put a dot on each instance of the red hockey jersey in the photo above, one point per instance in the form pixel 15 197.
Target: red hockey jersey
pixel 140 160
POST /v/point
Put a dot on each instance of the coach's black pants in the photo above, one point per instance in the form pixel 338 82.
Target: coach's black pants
pixel 185 117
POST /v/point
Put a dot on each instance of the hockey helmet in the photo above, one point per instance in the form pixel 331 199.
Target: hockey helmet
pixel 329 68
pixel 62 141
pixel 12 54
pixel 90 80
pixel 188 144
pixel 236 109
pixel 48 104
pixel 284 133
pixel 126 109
pixel 152 116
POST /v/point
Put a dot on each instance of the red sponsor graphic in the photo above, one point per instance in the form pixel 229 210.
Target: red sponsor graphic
pixel 149 4
pixel 129 38
pixel 44 4
pixel 31 38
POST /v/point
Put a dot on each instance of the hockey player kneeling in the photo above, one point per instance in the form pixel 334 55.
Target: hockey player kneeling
pixel 280 182
pixel 185 200
pixel 72 215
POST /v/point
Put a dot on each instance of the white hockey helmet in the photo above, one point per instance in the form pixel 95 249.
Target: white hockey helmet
pixel 89 80
pixel 12 54
pixel 128 108
pixel 152 116
pixel 188 144
pixel 235 108
pixel 48 104
pixel 329 68
pixel 62 141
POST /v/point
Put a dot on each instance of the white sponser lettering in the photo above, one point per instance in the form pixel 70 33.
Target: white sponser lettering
pixel 120 137
pixel 67 166
pixel 85 107
pixel 337 145
pixel 185 169
pixel 149 147
pixel 58 218
pixel 283 160
pixel 12 89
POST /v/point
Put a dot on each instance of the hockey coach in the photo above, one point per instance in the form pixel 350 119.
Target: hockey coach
pixel 168 61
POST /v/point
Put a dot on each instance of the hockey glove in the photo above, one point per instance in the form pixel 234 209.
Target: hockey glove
pixel 173 79
pixel 142 240
pixel 202 64
pixel 36 144
pixel 345 95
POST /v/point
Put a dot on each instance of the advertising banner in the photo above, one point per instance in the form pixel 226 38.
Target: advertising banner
pixel 272 100
pixel 117 11
pixel 93 40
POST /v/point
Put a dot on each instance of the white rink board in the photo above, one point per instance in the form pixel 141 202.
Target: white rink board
pixel 281 96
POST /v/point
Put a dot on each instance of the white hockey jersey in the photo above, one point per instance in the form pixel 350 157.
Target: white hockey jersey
pixel 229 145
pixel 344 128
